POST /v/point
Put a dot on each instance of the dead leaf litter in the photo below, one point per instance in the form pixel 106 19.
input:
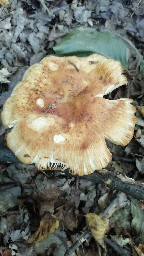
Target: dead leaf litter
pixel 48 208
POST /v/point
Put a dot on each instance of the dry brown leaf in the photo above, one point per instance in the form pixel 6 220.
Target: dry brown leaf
pixel 67 216
pixel 7 252
pixel 98 227
pixel 5 3
pixel 140 250
pixel 48 225
pixel 141 110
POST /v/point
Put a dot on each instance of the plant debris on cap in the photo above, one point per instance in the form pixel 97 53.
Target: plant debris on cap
pixel 58 114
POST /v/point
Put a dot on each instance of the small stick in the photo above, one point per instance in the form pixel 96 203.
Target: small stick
pixel 7 186
pixel 134 189
pixel 86 235
pixel 116 247
pixel 122 159
pixel 81 239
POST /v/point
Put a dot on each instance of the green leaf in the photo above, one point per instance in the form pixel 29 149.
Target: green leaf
pixel 142 67
pixel 89 41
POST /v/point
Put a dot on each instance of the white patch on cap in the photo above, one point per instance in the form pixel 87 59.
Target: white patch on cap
pixel 85 82
pixel 40 103
pixel 52 66
pixel 40 124
pixel 58 138
pixel 71 125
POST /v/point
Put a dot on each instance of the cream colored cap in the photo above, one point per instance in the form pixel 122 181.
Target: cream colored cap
pixel 58 113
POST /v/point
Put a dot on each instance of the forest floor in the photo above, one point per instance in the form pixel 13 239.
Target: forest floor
pixel 32 201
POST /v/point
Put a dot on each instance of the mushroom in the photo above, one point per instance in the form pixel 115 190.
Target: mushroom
pixel 58 114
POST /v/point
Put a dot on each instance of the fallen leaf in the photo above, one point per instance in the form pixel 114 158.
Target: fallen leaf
pixel 141 140
pixel 137 216
pixel 140 165
pixel 5 3
pixel 141 110
pixel 67 215
pixel 7 252
pixel 48 225
pixel 140 122
pixel 4 74
pixel 140 250
pixel 2 130
pixel 98 227
pixel 81 14
pixel 87 41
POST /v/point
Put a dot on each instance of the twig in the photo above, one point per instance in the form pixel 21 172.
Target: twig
pixel 83 237
pixel 116 247
pixel 133 189
pixel 123 159
pixel 7 186
pixel 137 7
pixel 119 201
pixel 106 214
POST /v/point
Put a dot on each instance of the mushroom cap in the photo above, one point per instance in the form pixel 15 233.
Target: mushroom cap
pixel 58 114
